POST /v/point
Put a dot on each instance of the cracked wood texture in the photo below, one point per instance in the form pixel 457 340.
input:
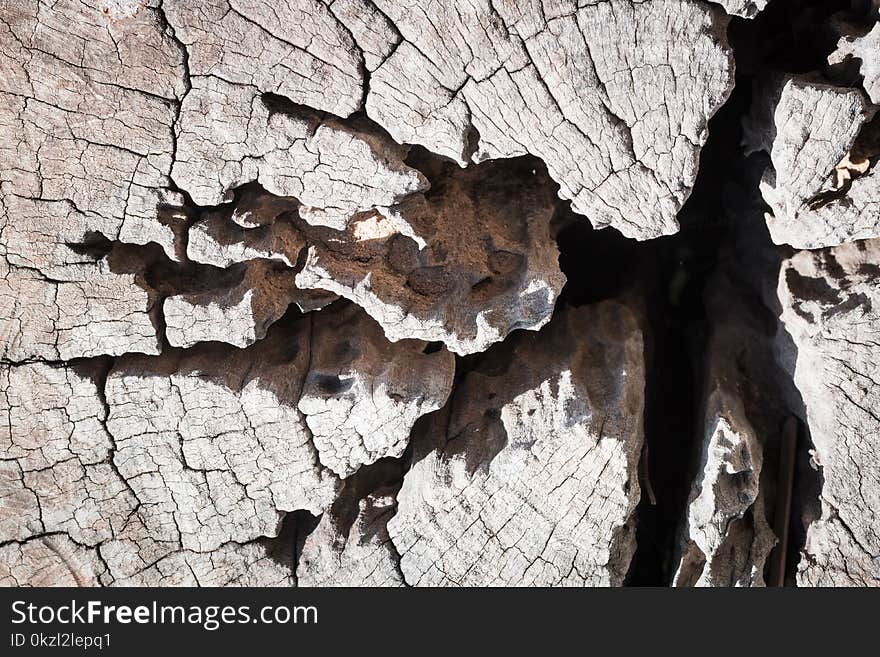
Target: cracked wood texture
pixel 282 300
pixel 531 478
pixel 830 319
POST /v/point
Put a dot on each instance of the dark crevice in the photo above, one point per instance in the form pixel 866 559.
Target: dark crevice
pixel 94 246
pixel 723 257
pixel 278 104
pixel 793 36
pixel 660 277
pixel 296 527
pixel 673 342
pixel 386 473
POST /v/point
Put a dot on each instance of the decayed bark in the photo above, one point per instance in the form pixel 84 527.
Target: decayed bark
pixel 476 261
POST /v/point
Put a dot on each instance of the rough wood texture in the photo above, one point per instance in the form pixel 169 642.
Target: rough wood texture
pixel 822 186
pixel 532 479
pixel 487 262
pixel 830 301
pixel 356 292
pixel 613 96
pixel 726 536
